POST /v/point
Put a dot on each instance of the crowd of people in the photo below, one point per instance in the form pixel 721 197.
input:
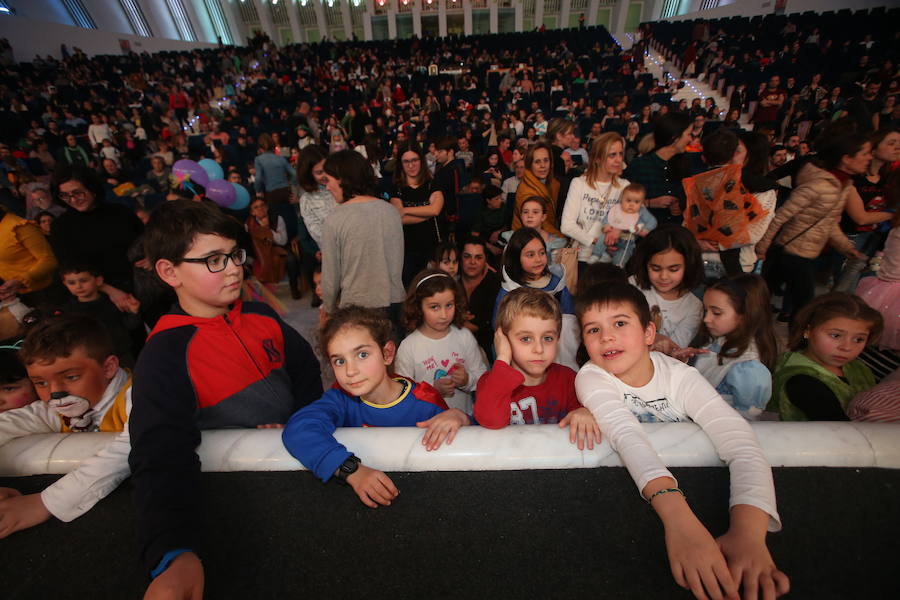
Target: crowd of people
pixel 497 230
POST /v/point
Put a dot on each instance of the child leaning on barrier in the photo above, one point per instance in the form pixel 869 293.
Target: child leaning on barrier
pixel 526 385
pixel 439 349
pixel 76 374
pixel 212 362
pixel 819 375
pixel 357 343
pixel 624 384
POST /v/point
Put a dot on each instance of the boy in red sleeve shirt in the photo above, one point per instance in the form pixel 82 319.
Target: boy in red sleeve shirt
pixel 525 386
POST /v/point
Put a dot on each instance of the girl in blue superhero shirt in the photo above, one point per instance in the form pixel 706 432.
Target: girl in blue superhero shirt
pixel 357 343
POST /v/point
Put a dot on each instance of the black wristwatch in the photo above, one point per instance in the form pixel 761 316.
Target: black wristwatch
pixel 347 468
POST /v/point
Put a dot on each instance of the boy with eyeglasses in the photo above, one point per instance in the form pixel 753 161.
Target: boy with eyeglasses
pixel 212 362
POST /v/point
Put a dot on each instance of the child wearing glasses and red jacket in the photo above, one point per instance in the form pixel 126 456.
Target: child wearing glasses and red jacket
pixel 212 362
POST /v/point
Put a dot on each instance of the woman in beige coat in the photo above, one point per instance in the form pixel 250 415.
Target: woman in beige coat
pixel 811 217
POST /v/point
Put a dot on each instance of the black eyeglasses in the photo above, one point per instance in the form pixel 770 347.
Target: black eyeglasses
pixel 76 195
pixel 219 261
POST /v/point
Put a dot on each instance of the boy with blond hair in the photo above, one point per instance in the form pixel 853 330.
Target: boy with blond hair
pixel 76 374
pixel 525 385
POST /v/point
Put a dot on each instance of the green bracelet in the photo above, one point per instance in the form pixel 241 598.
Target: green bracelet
pixel 665 491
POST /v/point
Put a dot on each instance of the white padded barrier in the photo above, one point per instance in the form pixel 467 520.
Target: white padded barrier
pixel 818 444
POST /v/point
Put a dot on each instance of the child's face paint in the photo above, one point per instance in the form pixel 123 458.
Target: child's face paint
pixel 77 375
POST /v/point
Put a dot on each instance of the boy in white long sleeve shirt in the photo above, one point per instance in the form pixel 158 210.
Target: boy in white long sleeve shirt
pixel 81 387
pixel 624 383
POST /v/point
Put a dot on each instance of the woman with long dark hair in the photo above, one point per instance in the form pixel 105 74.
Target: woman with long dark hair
pixel 420 204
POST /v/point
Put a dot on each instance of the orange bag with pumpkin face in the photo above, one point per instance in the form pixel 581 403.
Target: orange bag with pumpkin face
pixel 719 207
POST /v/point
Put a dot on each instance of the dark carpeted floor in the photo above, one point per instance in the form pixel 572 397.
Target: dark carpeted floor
pixel 518 534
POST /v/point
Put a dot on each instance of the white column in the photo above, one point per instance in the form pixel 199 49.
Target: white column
pixel 652 8
pixel 321 21
pixel 296 31
pixel 592 12
pixel 519 15
pixel 564 10
pixel 538 13
pixel 367 22
pixel 467 17
pixel 442 18
pixel 198 23
pixel 618 17
pixel 417 18
pixel 265 20
pixel 494 14
pixel 235 23
pixel 392 19
pixel 160 21
pixel 346 18
pixel 157 27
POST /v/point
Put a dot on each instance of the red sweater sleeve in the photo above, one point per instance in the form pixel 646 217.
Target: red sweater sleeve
pixel 494 393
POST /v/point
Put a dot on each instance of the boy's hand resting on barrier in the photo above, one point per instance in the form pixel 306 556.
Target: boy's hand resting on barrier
pixel 18 512
pixel 749 560
pixel 442 427
pixel 697 563
pixel 372 486
pixel 582 427
pixel 8 493
pixel 183 580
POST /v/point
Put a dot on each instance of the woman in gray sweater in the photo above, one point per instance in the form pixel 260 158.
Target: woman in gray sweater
pixel 362 242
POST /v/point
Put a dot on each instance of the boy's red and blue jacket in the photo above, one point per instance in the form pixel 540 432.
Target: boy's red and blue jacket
pixel 242 369
pixel 309 435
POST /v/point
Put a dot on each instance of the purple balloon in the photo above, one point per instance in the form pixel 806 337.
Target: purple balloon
pixel 221 192
pixel 192 170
